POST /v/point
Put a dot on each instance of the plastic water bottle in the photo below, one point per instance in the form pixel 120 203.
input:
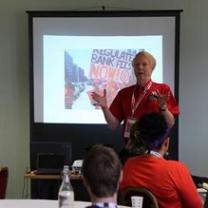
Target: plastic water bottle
pixel 66 193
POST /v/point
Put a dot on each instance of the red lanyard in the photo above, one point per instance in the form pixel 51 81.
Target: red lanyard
pixel 134 104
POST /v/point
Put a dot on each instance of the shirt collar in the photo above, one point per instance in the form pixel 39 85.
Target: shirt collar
pixel 142 88
pixel 106 205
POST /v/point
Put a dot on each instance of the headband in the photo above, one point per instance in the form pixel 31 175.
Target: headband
pixel 158 141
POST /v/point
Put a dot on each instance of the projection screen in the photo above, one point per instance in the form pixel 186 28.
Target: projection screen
pixel 84 52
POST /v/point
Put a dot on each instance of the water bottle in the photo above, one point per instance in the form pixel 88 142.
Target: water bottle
pixel 66 193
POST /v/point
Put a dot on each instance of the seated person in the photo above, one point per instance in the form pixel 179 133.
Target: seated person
pixel 102 175
pixel 170 181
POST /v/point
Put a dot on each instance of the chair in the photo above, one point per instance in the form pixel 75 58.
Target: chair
pixel 198 180
pixel 3 181
pixel 149 200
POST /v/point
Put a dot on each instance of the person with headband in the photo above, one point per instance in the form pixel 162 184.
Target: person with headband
pixel 170 181
pixel 144 97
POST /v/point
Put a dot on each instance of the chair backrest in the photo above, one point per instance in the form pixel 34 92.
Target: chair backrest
pixel 3 181
pixel 149 200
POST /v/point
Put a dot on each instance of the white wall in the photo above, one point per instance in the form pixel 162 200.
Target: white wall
pixel 14 82
pixel 193 136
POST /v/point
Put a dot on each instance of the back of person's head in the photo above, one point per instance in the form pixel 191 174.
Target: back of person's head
pixel 150 130
pixel 101 171
pixel 146 54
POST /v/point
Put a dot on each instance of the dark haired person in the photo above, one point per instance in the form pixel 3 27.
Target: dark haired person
pixel 145 96
pixel 170 181
pixel 102 175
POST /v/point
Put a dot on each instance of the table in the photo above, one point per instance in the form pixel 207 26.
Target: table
pixel 32 175
pixel 31 203
pixel 46 186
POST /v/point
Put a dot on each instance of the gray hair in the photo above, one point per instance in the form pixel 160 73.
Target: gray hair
pixel 148 55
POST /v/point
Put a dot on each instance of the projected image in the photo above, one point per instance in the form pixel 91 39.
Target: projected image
pixel 108 69
pixel 75 66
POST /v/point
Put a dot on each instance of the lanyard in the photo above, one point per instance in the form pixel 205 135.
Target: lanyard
pixel 134 104
pixel 152 152
pixel 106 205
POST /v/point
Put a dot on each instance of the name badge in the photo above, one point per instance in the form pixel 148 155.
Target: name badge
pixel 129 123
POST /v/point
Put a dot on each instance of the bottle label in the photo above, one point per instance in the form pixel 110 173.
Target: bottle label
pixel 66 199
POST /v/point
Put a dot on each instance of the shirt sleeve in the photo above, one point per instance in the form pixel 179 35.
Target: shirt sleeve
pixel 171 102
pixel 185 186
pixel 116 107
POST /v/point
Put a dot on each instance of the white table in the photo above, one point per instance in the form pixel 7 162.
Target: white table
pixel 33 203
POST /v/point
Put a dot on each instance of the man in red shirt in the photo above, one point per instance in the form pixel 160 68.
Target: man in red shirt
pixel 144 97
pixel 170 181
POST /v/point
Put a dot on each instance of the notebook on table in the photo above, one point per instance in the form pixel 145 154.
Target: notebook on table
pixel 49 163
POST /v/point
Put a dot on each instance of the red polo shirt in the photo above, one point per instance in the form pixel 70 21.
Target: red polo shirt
pixel 121 105
pixel 170 181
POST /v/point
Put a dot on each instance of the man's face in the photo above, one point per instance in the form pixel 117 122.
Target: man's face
pixel 142 67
